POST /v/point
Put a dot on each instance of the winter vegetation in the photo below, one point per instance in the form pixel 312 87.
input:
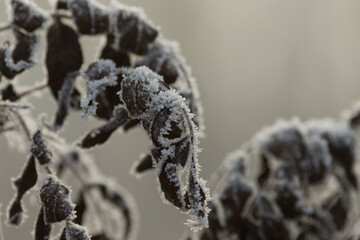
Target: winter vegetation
pixel 293 180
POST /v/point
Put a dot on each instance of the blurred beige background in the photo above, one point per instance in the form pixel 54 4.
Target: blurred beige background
pixel 255 61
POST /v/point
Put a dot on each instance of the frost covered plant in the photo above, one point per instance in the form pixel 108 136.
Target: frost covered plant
pixel 293 180
pixel 139 78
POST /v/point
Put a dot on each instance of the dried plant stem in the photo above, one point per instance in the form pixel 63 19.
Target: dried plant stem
pixel 11 128
pixel 10 105
pixel 5 27
pixel 22 122
pixel 32 90
pixel 85 182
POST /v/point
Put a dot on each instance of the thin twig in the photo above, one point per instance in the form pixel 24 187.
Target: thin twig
pixel 32 90
pixel 22 122
pixel 5 27
pixel 86 183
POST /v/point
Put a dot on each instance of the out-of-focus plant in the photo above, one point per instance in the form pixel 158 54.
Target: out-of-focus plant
pixel 293 180
pixel 139 79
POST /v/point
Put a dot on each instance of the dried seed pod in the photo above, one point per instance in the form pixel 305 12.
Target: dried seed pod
pixel 26 16
pixel 89 18
pixel 101 134
pixel 8 93
pixel 39 149
pixel 42 229
pixel 23 183
pixel 131 31
pixel 98 76
pixel 167 121
pixel 56 201
pixel 63 55
pixel 74 231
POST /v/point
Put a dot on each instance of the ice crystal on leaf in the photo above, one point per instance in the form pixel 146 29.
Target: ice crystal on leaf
pixel 167 120
pixel 98 76
pixel 56 200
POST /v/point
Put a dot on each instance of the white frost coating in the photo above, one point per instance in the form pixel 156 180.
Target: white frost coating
pixel 349 113
pixel 76 232
pixel 166 50
pixel 106 70
pixel 126 11
pixel 20 65
pixel 337 132
pixel 34 10
pixel 262 137
pixel 159 98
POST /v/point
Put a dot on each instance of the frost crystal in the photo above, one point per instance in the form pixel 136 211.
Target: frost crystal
pixel 76 232
pixel 98 76
pixel 168 122
pixel 165 59
pixel 39 149
pixel 56 200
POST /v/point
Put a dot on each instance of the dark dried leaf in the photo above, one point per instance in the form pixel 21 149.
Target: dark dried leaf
pixel 39 149
pixel 119 57
pixel 342 151
pixel 99 237
pixel 76 232
pixel 8 93
pixel 144 164
pixel 163 60
pixel 101 134
pixel 289 200
pixel 170 185
pixel 166 119
pixel 88 18
pixel 23 183
pixel 56 201
pixel 15 212
pixel 80 209
pixel 7 67
pixel 134 34
pixel 131 124
pixel 62 4
pixel 26 44
pixel 275 228
pixel 233 198
pixel 64 98
pixel 98 76
pixel 338 206
pixel 109 98
pixel 265 170
pixel 63 55
pixel 26 16
pixel 286 144
pixel 42 229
